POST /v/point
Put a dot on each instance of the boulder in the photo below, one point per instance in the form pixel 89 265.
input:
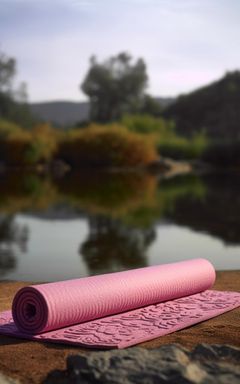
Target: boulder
pixel 205 364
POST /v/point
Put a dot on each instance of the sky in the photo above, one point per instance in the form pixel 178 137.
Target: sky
pixel 185 43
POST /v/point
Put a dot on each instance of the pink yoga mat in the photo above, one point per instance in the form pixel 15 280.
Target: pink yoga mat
pixel 118 309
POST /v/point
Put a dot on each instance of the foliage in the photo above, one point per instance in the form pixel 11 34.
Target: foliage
pixel 13 102
pixel 14 143
pixel 8 129
pixel 95 146
pixel 7 72
pixel 150 106
pixel 147 124
pixel 13 150
pixel 223 153
pixel 43 144
pixel 132 143
pixel 7 106
pixel 182 148
pixel 19 147
pixel 163 133
pixel 214 109
pixel 115 86
pixel 106 146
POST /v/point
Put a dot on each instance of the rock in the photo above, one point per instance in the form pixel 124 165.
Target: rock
pixel 169 168
pixel 159 166
pixel 206 364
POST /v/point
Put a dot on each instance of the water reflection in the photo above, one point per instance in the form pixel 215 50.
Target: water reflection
pixel 112 246
pixel 217 213
pixel 11 235
pixel 124 216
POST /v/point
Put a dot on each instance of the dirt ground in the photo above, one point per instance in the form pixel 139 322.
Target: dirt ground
pixel 30 361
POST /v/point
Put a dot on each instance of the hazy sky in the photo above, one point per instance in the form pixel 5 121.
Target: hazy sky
pixel 185 43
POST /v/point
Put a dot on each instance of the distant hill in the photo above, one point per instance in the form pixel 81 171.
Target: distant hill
pixel 68 113
pixel 61 113
pixel 214 108
pixel 165 101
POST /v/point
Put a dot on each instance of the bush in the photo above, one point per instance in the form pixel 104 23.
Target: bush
pixel 43 144
pixel 13 149
pixel 147 124
pixel 106 146
pixel 181 148
pixel 19 147
pixel 110 145
pixel 9 129
pixel 167 141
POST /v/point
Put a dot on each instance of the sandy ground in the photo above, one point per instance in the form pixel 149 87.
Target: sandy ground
pixel 30 361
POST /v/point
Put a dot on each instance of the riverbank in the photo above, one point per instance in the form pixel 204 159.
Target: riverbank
pixel 31 361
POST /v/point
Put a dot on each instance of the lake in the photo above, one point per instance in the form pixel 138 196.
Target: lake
pixel 57 228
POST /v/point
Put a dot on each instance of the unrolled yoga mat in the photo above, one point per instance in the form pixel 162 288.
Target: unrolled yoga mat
pixel 118 309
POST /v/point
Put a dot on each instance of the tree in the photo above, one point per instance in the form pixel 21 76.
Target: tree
pixel 21 94
pixel 7 72
pixel 115 86
pixel 151 106
pixel 13 101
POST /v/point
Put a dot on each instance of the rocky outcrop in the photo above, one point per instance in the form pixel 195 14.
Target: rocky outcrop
pixel 206 364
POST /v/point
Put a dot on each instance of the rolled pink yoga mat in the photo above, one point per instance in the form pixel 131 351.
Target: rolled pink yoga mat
pixel 118 309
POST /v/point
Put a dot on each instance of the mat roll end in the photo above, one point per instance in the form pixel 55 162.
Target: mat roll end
pixel 30 311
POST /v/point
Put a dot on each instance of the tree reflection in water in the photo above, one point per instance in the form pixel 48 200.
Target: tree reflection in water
pixel 217 213
pixel 11 235
pixel 112 246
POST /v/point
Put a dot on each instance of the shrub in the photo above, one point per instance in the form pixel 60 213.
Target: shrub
pixel 106 146
pixel 19 147
pixel 43 144
pixel 9 129
pixel 168 142
pixel 13 149
pixel 148 125
pixel 181 148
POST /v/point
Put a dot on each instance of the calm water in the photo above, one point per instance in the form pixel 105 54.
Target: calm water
pixel 85 224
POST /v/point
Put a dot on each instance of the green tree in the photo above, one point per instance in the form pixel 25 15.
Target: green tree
pixel 151 106
pixel 115 86
pixel 13 101
pixel 7 72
